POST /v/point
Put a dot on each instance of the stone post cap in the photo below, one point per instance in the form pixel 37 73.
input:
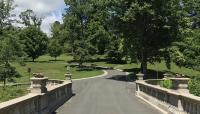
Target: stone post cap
pixel 140 74
pixel 38 75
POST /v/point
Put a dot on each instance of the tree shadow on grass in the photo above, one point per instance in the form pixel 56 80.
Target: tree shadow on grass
pixel 56 60
pixel 44 61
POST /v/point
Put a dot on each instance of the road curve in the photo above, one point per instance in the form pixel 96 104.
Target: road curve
pixel 105 95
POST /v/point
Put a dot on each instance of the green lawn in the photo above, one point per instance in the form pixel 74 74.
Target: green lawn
pixel 52 69
pixel 12 92
pixel 160 67
pixel 57 69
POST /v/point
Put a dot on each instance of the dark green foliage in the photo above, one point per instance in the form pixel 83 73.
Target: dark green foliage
pixel 7 72
pixel 54 49
pixel 5 20
pixel 85 28
pixel 166 84
pixel 10 50
pixel 194 86
pixel 35 42
pixel 148 27
pixel 189 51
pixel 115 50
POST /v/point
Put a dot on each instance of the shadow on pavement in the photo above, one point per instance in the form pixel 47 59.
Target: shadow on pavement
pixel 125 78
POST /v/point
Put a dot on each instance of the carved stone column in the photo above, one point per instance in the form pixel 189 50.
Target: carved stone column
pixel 38 83
pixel 140 76
pixel 68 76
pixel 180 84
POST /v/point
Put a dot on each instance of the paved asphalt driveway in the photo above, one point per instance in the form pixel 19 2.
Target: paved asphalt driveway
pixel 105 95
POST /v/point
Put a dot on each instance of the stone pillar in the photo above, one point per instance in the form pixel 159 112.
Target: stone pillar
pixel 38 83
pixel 180 84
pixel 140 76
pixel 68 76
pixel 166 75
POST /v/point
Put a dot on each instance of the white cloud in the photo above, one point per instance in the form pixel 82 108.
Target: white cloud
pixel 50 10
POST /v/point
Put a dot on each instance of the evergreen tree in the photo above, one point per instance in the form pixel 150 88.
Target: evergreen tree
pixel 10 50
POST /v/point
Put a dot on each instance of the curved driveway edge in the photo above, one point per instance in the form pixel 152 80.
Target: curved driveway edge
pixel 102 75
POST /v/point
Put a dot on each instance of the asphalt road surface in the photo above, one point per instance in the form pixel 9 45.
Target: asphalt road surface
pixel 105 95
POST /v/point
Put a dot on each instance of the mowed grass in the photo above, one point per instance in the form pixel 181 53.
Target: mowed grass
pixel 12 92
pixel 56 69
pixel 52 69
pixel 161 67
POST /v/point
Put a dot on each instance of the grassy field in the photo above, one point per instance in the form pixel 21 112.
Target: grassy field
pixel 12 92
pixel 56 69
pixel 52 69
pixel 161 68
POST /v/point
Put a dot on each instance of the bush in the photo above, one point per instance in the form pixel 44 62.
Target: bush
pixel 194 86
pixel 166 84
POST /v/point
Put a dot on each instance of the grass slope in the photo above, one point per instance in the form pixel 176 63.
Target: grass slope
pixel 52 69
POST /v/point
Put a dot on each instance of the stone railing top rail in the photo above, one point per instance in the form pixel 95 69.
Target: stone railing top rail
pixel 158 88
pixel 17 100
pixel 53 86
pixel 31 95
pixel 174 92
pixel 55 81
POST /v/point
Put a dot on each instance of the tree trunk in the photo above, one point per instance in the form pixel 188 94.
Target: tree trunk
pixel 55 58
pixel 143 68
pixel 4 83
pixel 33 60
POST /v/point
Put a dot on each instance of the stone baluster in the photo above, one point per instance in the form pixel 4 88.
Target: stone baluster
pixel 137 89
pixel 198 108
pixel 194 111
pixel 180 105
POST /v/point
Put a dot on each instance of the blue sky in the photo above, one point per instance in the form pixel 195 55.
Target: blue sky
pixel 50 10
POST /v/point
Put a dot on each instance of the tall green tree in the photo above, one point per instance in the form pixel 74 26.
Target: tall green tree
pixel 55 49
pixel 29 18
pixel 10 50
pixel 86 33
pixel 35 42
pixel 6 6
pixel 149 27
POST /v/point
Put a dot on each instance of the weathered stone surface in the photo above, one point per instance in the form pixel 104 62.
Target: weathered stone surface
pixel 39 103
pixel 171 101
pixel 140 76
pixel 180 84
pixel 38 85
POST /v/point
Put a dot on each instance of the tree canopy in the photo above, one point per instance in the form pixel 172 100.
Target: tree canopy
pixel 35 42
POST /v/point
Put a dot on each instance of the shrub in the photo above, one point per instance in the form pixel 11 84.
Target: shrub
pixel 194 86
pixel 166 84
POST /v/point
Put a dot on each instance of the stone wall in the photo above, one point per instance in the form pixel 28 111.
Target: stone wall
pixel 57 93
pixel 171 101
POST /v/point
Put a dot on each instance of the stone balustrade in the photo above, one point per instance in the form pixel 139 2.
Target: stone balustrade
pixel 45 97
pixel 171 101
